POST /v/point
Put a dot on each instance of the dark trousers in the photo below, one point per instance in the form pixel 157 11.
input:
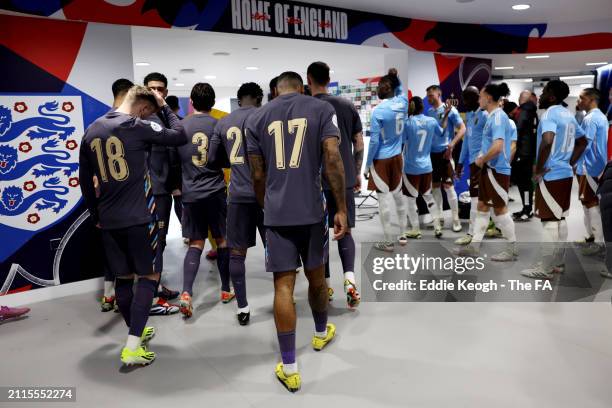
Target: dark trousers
pixel 522 174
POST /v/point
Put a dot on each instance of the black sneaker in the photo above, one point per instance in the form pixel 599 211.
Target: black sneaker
pixel 168 294
pixel 243 318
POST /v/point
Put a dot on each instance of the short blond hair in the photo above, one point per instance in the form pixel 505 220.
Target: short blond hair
pixel 141 93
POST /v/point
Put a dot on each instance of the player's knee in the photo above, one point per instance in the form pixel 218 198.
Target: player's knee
pixel 197 243
pixel 482 207
pixel 153 276
pixel 500 211
pixel 221 242
pixel 124 278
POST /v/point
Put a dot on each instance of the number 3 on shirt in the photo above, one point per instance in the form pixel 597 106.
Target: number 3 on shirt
pixel 201 141
pixel 114 150
pixel 295 126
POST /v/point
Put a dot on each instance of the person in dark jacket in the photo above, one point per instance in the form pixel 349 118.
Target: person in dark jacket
pixel 604 192
pixel 522 168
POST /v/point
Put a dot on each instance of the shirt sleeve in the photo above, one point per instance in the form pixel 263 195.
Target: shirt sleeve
pixel 329 123
pixel 357 126
pixel 156 134
pixel 86 174
pixel 375 129
pixel 455 118
pixel 464 150
pixel 498 130
pixel 590 133
pixel 513 131
pixel 548 124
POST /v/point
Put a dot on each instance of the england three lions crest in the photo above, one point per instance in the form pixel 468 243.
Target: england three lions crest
pixel 39 159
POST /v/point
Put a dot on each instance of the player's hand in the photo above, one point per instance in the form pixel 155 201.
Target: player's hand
pixel 159 98
pixel 479 162
pixel 340 225
pixel 459 171
pixel 357 186
pixel 99 226
pixel 449 152
pixel 538 176
pixel 447 108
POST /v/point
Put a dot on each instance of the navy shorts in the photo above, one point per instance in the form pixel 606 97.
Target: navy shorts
pixel 130 250
pixel 201 215
pixel 331 207
pixel 243 221
pixel 287 248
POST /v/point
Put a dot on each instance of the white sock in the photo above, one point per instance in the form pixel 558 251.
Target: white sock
pixel 588 225
pixel 109 289
pixel 473 213
pixel 413 214
pixel 245 309
pixel 506 225
pixel 133 342
pixel 596 225
pixel 400 207
pixel 328 282
pixel 550 242
pixel 289 369
pixel 385 215
pixel 480 227
pixel 349 276
pixel 322 334
pixel 451 196
pixel 437 196
pixel 431 205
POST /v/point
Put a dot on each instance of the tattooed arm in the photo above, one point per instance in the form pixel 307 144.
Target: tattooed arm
pixel 258 175
pixel 334 173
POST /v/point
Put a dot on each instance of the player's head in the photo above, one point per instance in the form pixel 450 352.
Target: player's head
pixel 250 94
pixel 157 81
pixel 589 99
pixel 289 82
pixel 318 74
pixel 492 94
pixel 416 106
pixel 525 96
pixel 554 93
pixel 273 91
pixel 140 102
pixel 173 103
pixel 387 85
pixel 121 87
pixel 202 97
pixel 434 95
pixel 470 98
pixel 509 107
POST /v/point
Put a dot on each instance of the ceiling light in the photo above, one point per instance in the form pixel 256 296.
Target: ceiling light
pixel 500 68
pixel 520 7
pixel 221 53
pixel 528 80
pixel 595 64
pixel 586 85
pixel 565 78
pixel 142 64
pixel 210 77
pixel 251 68
pixel 179 84
pixel 537 56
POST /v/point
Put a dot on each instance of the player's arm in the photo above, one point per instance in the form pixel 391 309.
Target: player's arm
pixel 580 144
pixel 86 177
pixel 512 150
pixel 358 149
pixel 258 175
pixel 498 135
pixel 174 135
pixel 375 132
pixel 543 154
pixel 216 149
pixel 462 157
pixel 334 173
pixel 459 126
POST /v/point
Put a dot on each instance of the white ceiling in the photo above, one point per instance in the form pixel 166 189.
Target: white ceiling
pixel 168 51
pixel 484 11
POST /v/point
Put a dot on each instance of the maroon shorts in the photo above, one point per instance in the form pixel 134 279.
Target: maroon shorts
pixel 474 179
pixel 416 184
pixel 552 199
pixel 586 191
pixel 386 175
pixel 493 188
pixel 442 168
